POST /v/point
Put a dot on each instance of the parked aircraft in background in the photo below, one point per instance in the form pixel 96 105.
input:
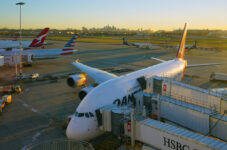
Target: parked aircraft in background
pixel 15 38
pixel 115 89
pixel 222 91
pixel 139 45
pixel 193 46
pixel 68 49
pixel 37 42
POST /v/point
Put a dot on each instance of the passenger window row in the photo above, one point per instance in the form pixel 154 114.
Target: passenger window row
pixel 87 114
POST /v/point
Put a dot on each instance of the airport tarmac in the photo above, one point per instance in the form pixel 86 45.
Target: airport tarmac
pixel 38 113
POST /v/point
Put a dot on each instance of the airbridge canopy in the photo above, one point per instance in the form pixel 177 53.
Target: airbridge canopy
pixel 187 93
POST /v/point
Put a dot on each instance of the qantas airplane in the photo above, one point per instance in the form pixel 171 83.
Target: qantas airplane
pixel 45 53
pixel 110 88
pixel 139 45
pixel 37 42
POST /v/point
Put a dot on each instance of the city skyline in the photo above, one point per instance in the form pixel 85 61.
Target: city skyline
pixel 129 14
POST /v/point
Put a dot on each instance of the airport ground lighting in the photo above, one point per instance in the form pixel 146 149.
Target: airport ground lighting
pixel 20 4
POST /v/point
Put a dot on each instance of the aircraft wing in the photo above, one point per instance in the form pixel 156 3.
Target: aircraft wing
pixel 199 65
pixel 98 75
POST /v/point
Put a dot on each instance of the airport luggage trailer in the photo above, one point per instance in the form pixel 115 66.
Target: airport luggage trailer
pixel 6 99
pixel 2 106
pixel 10 89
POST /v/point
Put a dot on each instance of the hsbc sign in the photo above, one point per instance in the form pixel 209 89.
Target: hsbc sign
pixel 175 145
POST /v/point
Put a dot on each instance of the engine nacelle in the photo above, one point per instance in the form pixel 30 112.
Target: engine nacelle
pixel 76 80
pixel 85 91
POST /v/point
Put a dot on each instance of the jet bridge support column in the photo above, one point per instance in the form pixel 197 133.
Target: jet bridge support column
pixel 132 129
pixel 159 107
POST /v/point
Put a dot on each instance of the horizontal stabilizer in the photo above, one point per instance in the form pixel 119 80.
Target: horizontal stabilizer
pixel 199 65
pixel 160 60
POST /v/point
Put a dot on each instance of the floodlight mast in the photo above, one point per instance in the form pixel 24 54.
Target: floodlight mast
pixel 20 4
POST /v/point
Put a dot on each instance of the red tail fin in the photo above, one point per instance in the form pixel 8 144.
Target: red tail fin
pixel 40 38
pixel 15 38
pixel 181 48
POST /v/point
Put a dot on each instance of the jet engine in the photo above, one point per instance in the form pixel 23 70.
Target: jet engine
pixel 76 80
pixel 86 90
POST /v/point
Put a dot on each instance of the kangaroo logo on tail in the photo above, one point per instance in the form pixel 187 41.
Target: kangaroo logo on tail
pixel 181 48
pixel 40 38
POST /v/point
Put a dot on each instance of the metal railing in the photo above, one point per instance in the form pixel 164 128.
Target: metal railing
pixel 62 144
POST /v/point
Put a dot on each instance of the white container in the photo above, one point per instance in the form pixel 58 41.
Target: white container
pixel 11 60
pixel 1 61
pixel 218 76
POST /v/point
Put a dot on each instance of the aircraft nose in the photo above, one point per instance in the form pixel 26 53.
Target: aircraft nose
pixel 77 129
pixel 73 131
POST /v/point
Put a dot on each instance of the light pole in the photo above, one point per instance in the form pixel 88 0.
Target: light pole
pixel 20 4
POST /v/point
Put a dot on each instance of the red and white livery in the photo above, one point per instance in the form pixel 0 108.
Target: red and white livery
pixel 37 42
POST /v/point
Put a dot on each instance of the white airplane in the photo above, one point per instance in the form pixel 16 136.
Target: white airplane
pixel 45 53
pixel 139 45
pixel 222 91
pixel 115 89
pixel 190 46
pixel 37 42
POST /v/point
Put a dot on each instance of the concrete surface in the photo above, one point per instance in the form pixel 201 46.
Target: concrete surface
pixel 38 113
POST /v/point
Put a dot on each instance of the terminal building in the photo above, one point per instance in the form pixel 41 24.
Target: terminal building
pixel 169 115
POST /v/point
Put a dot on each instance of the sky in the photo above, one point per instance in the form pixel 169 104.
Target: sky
pixel 131 14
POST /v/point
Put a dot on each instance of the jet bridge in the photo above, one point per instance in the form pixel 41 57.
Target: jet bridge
pixel 200 112
pixel 154 133
pixel 187 93
pixel 194 108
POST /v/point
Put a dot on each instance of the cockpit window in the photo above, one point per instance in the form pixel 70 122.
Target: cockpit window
pixel 80 114
pixel 76 113
pixel 91 114
pixel 87 115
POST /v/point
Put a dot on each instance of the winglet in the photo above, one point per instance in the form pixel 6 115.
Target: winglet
pixel 181 48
